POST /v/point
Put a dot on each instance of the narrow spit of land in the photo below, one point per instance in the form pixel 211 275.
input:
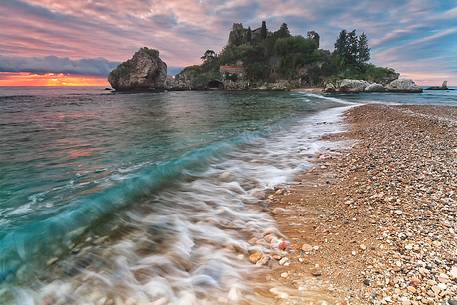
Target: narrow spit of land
pixel 375 223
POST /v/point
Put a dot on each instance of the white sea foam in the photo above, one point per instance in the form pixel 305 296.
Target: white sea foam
pixel 329 98
pixel 188 244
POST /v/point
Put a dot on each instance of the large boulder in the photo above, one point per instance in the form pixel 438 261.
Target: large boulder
pixel 374 87
pixel 330 88
pixel 403 85
pixel 353 85
pixel 144 71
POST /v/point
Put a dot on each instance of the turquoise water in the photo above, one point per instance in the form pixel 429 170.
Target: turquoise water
pixel 141 195
pixel 428 97
pixel 77 162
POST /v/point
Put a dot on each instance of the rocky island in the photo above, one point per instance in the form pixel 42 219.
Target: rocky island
pixel 144 71
pixel 261 59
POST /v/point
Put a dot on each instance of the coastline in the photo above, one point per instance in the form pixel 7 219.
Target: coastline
pixel 375 223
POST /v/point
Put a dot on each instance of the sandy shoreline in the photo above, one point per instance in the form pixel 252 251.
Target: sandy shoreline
pixel 375 223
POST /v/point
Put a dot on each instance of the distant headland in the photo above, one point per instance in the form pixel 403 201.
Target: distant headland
pixel 260 59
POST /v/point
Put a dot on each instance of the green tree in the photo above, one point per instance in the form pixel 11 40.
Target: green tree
pixel 293 45
pixel 314 36
pixel 341 44
pixel 257 71
pixel 353 47
pixel 363 49
pixel 208 56
pixel 347 48
pixel 283 31
pixel 263 30
pixel 249 35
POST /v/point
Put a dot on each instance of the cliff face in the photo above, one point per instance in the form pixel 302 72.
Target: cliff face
pixel 144 71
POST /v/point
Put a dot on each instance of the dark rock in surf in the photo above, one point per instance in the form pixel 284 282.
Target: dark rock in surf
pixel 442 87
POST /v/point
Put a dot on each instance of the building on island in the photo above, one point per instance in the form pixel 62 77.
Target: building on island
pixel 232 72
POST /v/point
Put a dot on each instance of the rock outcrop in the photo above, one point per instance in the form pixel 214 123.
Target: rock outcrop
pixel 358 86
pixel 442 87
pixel 353 85
pixel 144 71
pixel 374 87
pixel 403 85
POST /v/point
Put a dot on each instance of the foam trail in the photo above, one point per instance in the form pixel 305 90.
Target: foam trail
pixel 188 244
pixel 329 98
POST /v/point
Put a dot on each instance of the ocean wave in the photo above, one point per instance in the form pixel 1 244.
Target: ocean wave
pixel 185 236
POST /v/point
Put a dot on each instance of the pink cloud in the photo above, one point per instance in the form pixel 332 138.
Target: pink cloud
pixel 183 29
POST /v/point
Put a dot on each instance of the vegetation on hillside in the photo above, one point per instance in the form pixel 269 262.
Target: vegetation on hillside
pixel 271 56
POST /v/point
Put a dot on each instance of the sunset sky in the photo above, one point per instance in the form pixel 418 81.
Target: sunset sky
pixel 55 42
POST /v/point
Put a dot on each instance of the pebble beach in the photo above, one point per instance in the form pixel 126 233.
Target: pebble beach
pixel 373 222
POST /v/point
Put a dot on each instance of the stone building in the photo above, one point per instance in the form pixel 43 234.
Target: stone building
pixel 232 72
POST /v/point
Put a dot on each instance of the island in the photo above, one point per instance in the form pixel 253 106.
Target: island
pixel 260 59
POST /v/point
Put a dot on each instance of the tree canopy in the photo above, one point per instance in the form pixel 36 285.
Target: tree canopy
pixel 208 55
pixel 283 31
pixel 269 56
pixel 352 49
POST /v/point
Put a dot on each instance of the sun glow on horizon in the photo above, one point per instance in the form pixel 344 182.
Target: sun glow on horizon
pixel 50 79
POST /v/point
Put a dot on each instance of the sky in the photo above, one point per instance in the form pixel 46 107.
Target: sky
pixel 78 42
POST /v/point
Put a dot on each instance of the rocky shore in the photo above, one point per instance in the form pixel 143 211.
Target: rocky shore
pixel 401 85
pixel 374 223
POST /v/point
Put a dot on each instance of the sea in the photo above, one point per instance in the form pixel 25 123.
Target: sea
pixel 151 198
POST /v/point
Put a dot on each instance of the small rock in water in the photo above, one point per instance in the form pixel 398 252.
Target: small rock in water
pixel 263 261
pixel 283 261
pixel 278 211
pixel 283 245
pixel 268 238
pixel 307 248
pixel 225 176
pixel 52 261
pixel 255 257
